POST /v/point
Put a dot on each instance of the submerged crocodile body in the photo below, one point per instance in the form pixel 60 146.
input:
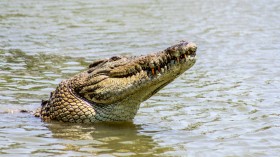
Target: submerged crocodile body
pixel 112 89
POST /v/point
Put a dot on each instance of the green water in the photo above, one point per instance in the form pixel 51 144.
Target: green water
pixel 228 104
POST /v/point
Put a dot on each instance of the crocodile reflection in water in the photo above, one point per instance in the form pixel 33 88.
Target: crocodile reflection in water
pixel 112 89
pixel 106 138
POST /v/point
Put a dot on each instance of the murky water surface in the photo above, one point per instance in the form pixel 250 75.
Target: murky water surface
pixel 228 104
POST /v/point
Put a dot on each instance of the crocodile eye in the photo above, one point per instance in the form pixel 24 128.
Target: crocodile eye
pixel 115 58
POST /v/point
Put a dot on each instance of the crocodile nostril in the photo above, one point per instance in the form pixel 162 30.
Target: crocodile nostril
pixel 191 47
pixel 192 52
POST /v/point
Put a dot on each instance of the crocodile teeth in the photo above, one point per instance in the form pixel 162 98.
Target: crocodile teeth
pixel 162 70
pixel 165 67
pixel 186 57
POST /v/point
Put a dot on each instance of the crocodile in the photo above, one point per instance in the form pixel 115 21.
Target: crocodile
pixel 112 89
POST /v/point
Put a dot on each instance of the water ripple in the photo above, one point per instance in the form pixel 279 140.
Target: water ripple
pixel 226 105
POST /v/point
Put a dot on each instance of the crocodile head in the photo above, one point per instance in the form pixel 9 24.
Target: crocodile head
pixel 123 80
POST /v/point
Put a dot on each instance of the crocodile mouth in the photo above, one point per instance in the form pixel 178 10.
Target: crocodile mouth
pixel 155 71
pixel 161 62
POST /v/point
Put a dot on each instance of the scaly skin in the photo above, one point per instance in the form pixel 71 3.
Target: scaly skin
pixel 112 89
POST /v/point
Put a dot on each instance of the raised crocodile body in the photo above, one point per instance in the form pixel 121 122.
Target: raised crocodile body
pixel 112 89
